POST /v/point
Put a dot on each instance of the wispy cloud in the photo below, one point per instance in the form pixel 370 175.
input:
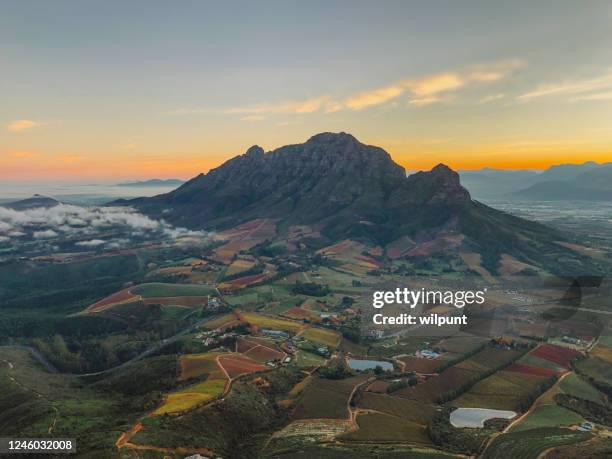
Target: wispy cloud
pixel 421 91
pixel 23 125
pixel 570 87
pixel 374 97
pixel 492 98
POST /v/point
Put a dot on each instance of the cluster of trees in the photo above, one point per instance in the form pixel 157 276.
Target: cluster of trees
pixel 310 288
pixel 586 408
pixel 336 370
pixel 410 381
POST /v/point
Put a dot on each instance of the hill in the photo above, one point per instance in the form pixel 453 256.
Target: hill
pixel 347 190
pixel 31 203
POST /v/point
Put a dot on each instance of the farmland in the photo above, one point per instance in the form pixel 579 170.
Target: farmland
pixel 326 398
pixel 558 355
pixel 463 372
pixel 330 338
pixel 269 322
pixel 409 410
pixel 504 390
pixel 382 428
pixel 196 365
pixel 530 444
pixel 548 416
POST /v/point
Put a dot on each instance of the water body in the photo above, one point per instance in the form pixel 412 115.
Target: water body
pixel 356 364
pixel 476 417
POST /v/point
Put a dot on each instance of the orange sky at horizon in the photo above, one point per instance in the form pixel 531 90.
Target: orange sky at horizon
pixel 28 165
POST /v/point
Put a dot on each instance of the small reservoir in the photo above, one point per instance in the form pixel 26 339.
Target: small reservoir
pixel 476 417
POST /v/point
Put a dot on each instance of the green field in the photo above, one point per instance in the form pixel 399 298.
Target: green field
pixel 574 385
pixel 548 416
pixel 530 444
pixel 504 390
pixel 161 289
pixel 324 336
pixel 304 359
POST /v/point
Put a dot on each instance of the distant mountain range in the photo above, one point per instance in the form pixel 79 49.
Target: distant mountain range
pixel 154 182
pixel 344 189
pixel 589 181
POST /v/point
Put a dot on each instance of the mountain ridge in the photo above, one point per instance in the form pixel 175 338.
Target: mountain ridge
pixel 346 189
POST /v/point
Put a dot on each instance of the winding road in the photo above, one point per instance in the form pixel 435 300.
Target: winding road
pixel 40 358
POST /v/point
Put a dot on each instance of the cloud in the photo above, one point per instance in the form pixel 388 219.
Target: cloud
pixel 374 97
pixel 315 104
pixel 22 125
pixel 422 91
pixel 71 220
pixel 569 87
pixel 46 234
pixel 434 84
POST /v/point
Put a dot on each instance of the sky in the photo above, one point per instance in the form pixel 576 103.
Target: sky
pixel 113 90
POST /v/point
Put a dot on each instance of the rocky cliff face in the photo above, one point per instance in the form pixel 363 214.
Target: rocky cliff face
pixel 329 175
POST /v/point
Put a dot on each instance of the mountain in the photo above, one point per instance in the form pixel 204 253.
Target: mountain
pixel 594 184
pixel 587 181
pixel 491 183
pixel 35 201
pixel 154 182
pixel 345 189
pixel 567 171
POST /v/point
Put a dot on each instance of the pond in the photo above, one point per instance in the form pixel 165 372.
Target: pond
pixel 475 417
pixel 361 365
